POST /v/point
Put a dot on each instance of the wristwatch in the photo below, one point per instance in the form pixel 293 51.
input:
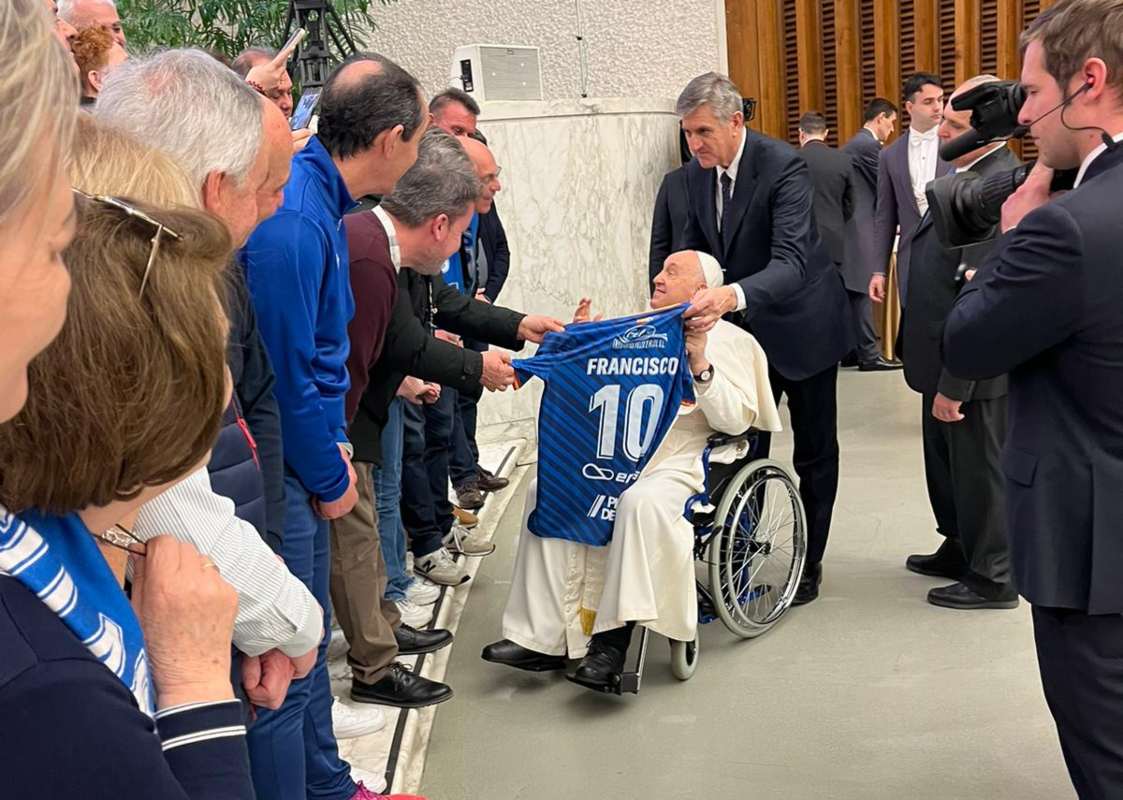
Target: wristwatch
pixel 706 375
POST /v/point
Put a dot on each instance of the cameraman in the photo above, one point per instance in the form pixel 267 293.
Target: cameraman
pixel 963 422
pixel 1047 307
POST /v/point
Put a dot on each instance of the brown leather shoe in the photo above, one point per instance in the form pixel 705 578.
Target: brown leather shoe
pixel 466 518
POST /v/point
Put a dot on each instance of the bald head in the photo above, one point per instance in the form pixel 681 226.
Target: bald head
pixel 956 123
pixel 486 170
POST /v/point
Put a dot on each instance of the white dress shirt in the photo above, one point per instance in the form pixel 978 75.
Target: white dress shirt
pixel 391 237
pixel 1092 157
pixel 731 171
pixel 924 151
pixel 275 610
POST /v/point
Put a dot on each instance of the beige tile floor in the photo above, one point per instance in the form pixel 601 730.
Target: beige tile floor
pixel 867 693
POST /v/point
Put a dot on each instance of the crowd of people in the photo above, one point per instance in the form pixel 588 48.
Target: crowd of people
pixel 242 366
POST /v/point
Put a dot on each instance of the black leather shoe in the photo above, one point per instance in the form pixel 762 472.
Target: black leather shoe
pixel 469 497
pixel 600 669
pixel 879 364
pixel 490 483
pixel 946 562
pixel 808 588
pixel 412 642
pixel 962 596
pixel 510 654
pixel 402 689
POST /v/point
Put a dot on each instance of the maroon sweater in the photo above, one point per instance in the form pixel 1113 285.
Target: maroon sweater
pixel 374 283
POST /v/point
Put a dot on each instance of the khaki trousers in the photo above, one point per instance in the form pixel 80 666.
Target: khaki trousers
pixel 358 585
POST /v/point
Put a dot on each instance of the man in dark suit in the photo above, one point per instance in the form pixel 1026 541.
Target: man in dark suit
pixel 832 180
pixel 668 225
pixel 751 208
pixel 864 149
pixel 1047 307
pixel 963 422
pixel 905 168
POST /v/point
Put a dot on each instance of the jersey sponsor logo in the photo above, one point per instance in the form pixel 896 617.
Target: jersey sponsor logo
pixel 640 337
pixel 595 472
pixel 603 507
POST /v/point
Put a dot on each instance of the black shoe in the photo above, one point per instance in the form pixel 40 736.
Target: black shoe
pixel 400 688
pixel 490 483
pixel 879 364
pixel 510 654
pixel 600 669
pixel 849 360
pixel 808 588
pixel 962 596
pixel 946 562
pixel 469 496
pixel 412 642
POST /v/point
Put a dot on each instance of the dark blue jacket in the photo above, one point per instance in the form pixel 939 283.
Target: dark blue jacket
pixel 1047 307
pixel 247 464
pixel 493 240
pixel 297 271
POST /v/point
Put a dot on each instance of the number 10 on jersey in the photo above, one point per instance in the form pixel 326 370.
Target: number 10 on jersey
pixel 644 403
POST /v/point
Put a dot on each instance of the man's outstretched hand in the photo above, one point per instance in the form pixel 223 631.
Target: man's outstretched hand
pixel 584 312
pixel 534 327
pixel 709 306
pixel 498 373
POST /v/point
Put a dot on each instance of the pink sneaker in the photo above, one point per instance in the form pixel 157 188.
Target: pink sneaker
pixel 363 793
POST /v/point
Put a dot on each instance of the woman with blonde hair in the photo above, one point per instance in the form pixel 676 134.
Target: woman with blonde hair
pixel 76 670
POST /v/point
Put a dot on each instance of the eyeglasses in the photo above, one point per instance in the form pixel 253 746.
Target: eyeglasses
pixel 161 228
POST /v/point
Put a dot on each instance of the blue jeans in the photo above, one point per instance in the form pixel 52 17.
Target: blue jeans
pixel 293 754
pixel 387 499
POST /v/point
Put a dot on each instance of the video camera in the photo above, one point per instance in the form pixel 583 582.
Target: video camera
pixel 965 207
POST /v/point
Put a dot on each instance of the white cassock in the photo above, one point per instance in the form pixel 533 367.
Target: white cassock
pixel 562 592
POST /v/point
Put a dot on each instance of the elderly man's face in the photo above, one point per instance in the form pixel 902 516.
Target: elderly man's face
pixel 488 173
pixel 713 142
pixel 680 279
pixel 454 118
pixel 99 14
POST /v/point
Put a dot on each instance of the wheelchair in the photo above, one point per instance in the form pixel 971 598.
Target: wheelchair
pixel 750 544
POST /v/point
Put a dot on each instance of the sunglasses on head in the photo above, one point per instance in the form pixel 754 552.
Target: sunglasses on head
pixel 136 213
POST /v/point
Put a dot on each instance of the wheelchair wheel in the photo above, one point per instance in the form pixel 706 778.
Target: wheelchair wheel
pixel 758 548
pixel 684 658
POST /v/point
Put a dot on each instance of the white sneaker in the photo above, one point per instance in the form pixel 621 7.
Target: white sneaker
pixel 462 541
pixel 413 615
pixel 350 721
pixel 371 781
pixel 338 646
pixel 439 567
pixel 422 592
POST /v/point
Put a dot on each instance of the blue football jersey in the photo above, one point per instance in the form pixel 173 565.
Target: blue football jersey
pixel 613 390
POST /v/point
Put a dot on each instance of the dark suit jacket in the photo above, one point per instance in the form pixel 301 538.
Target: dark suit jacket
pixel 896 205
pixel 493 240
pixel 831 176
pixel 858 262
pixel 796 306
pixel 668 226
pixel 1047 307
pixel 410 349
pixel 931 294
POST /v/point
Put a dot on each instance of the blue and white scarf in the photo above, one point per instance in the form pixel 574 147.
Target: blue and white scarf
pixel 58 560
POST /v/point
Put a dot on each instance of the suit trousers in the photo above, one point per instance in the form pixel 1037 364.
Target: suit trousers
pixel 861 311
pixel 426 509
pixel 813 405
pixel 358 585
pixel 1081 661
pixel 966 487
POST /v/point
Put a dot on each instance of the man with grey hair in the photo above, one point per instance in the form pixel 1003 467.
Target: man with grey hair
pixel 779 280
pixel 236 149
pixel 963 422
pixel 93 13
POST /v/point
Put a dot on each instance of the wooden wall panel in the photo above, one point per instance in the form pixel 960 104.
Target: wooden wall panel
pixel 793 80
pixel 926 15
pixel 773 67
pixel 830 72
pixel 967 39
pixel 809 55
pixel 988 38
pixel 887 50
pixel 849 76
pixel 742 40
pixel 948 48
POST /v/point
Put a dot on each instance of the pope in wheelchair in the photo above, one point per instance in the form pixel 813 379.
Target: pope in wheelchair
pixel 576 601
